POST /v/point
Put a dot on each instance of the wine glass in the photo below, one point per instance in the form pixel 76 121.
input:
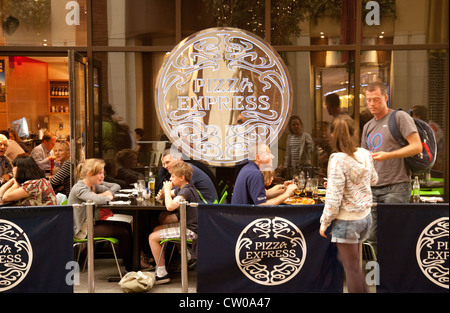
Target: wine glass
pixel 300 186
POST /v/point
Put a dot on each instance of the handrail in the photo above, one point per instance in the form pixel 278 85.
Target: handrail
pixel 89 206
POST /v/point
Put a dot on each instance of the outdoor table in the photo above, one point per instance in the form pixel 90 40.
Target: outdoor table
pixel 135 208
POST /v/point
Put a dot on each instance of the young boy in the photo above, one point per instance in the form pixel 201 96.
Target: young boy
pixel 181 174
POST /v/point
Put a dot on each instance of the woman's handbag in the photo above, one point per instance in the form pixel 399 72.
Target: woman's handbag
pixel 137 282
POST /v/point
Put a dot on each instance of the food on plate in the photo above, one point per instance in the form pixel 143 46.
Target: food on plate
pixel 301 200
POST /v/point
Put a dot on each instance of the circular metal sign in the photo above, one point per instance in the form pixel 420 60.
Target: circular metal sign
pixel 220 90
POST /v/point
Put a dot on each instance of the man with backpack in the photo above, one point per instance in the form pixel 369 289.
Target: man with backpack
pixel 394 183
pixel 394 178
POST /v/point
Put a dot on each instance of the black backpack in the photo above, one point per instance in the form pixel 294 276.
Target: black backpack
pixel 424 161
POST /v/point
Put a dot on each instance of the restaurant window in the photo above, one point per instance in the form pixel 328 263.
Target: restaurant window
pixel 125 92
pixel 43 23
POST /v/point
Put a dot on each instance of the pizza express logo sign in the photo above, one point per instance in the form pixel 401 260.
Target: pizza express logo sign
pixel 16 255
pixel 220 90
pixel 432 252
pixel 271 251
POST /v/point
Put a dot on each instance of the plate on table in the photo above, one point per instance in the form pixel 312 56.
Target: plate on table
pixel 123 195
pixel 299 200
pixel 126 190
pixel 119 202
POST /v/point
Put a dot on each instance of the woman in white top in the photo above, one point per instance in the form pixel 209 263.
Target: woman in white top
pixel 348 199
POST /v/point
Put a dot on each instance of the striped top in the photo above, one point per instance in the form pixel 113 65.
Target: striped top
pixel 294 143
pixel 62 178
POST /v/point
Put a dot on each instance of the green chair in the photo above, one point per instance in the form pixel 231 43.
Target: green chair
pixel 164 243
pixel 368 252
pixel 201 196
pixel 111 240
pixel 224 197
pixel 225 189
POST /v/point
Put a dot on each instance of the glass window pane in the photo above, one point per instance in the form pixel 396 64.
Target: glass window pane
pixel 43 23
pixel 195 17
pixel 405 22
pixel 125 92
pixel 330 22
pixel 312 82
pixel 247 15
pixel 133 22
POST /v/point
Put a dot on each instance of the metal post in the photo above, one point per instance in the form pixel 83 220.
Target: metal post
pixel 90 244
pixel 184 271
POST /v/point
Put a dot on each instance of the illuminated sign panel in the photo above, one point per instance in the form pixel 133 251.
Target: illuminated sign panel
pixel 220 90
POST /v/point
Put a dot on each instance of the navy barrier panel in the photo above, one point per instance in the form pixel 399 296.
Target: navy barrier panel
pixel 413 244
pixel 37 242
pixel 265 249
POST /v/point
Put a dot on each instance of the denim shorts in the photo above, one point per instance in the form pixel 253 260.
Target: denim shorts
pixel 355 231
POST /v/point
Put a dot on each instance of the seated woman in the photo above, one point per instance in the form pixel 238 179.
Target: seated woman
pixel 61 180
pixel 92 187
pixel 29 186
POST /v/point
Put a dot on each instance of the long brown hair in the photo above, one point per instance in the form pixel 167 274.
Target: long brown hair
pixel 343 131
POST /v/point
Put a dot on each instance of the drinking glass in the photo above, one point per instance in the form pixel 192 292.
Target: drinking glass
pixel 140 189
pixel 315 188
pixel 308 188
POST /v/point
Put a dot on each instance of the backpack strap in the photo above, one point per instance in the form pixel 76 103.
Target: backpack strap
pixel 395 132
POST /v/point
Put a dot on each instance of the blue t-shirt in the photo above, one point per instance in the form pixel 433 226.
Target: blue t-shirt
pixel 249 186
pixel 203 183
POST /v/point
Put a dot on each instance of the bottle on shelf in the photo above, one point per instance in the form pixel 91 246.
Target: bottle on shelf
pixel 416 190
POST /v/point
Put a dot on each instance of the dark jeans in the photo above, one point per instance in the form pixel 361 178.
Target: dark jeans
pixel 395 193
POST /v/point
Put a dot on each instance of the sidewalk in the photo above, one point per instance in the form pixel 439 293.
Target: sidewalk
pixel 103 268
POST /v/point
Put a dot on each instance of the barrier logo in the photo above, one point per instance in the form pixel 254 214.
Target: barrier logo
pixel 271 251
pixel 220 90
pixel 16 255
pixel 432 252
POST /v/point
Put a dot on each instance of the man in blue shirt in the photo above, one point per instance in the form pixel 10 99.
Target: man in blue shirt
pixel 249 186
pixel 199 179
